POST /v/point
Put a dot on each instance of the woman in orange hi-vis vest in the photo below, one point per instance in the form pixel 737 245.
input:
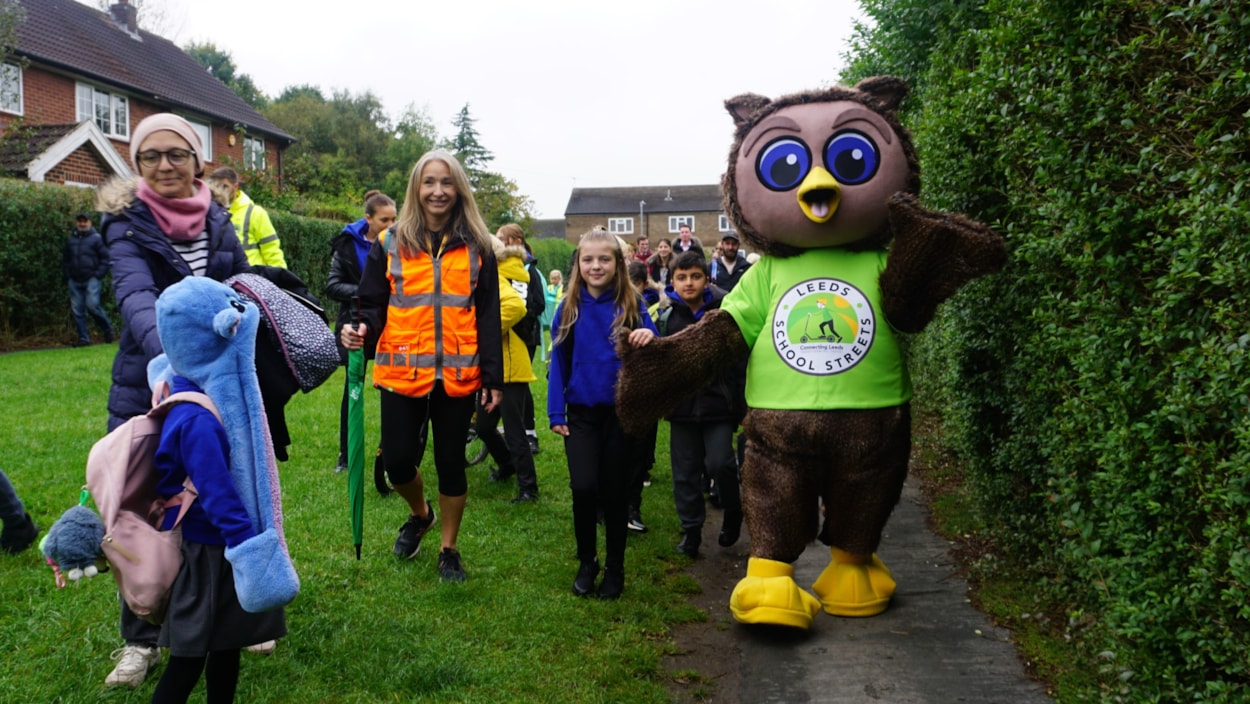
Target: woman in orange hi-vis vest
pixel 429 298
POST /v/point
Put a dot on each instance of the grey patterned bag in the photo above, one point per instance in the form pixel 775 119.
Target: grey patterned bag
pixel 295 325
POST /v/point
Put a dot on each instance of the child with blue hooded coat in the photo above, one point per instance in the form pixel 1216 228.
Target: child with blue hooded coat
pixel 600 308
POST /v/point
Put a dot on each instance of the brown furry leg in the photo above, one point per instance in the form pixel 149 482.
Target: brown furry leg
pixel 866 479
pixel 780 487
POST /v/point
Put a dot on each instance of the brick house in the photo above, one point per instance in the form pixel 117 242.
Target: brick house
pixel 655 211
pixel 80 80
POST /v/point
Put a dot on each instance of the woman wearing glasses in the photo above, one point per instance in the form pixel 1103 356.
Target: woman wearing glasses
pixel 160 229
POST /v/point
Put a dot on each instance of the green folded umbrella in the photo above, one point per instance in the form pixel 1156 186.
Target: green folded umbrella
pixel 356 439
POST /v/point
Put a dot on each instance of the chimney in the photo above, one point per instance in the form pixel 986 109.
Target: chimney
pixel 126 16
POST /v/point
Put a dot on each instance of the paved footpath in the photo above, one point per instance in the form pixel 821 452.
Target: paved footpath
pixel 930 646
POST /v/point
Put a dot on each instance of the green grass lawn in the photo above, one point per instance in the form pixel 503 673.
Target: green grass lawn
pixel 378 629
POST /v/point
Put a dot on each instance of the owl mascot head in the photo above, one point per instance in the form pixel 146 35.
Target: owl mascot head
pixel 823 184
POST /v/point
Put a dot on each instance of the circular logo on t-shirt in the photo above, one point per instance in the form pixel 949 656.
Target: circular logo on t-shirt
pixel 823 327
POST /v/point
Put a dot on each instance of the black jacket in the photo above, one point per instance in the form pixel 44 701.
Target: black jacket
pixel 85 257
pixel 341 285
pixel 725 398
pixel 720 273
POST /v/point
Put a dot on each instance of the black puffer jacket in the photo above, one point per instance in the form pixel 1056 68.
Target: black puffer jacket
pixel 342 283
pixel 86 257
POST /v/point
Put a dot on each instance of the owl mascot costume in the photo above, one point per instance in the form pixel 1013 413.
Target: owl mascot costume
pixel 823 185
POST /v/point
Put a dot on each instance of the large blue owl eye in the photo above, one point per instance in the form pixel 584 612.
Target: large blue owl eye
pixel 783 163
pixel 852 157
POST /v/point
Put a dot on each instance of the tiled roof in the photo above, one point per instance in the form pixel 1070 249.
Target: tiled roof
pixel 82 40
pixel 17 153
pixel 660 199
pixel 549 227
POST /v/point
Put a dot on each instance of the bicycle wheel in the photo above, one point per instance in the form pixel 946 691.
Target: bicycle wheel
pixel 474 449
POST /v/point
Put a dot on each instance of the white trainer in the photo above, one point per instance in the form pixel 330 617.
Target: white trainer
pixel 265 648
pixel 133 663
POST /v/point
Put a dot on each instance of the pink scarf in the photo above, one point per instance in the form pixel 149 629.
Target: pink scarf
pixel 179 218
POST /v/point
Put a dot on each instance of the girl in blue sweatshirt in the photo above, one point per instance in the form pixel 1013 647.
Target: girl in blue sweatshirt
pixel 205 627
pixel 599 307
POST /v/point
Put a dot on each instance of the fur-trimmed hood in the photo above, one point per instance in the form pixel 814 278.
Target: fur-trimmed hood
pixel 511 260
pixel 117 194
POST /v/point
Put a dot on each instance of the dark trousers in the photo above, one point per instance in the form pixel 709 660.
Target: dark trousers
pixel 643 461
pixel 529 397
pixel 403 442
pixel 697 448
pixel 512 451
pixel 136 631
pixel 598 456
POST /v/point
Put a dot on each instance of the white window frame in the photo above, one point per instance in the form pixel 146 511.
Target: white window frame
pixel 253 153
pixel 676 221
pixel 11 93
pixel 621 226
pixel 114 121
pixel 723 224
pixel 205 132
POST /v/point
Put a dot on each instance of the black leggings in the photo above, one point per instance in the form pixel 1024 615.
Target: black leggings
pixel 221 678
pixel 599 456
pixel 403 443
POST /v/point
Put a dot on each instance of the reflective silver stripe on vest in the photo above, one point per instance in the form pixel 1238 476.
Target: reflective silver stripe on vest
pixel 247 226
pixel 417 300
pixel 396 359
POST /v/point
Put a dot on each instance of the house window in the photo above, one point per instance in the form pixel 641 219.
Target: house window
pixel 205 133
pixel 724 223
pixel 253 153
pixel 11 88
pixel 676 221
pixel 621 226
pixel 110 111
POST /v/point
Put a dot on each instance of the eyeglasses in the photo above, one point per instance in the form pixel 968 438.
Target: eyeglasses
pixel 176 157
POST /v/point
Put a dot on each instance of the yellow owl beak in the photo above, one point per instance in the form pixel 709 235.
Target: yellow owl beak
pixel 819 195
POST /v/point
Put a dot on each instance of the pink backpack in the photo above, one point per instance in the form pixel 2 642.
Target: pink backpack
pixel 122 477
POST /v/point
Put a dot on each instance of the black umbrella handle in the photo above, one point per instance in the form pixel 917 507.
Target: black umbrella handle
pixel 355 312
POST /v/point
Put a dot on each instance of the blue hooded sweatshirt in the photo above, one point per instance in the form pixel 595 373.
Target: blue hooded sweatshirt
pixel 585 375
pixel 357 231
pixel 193 443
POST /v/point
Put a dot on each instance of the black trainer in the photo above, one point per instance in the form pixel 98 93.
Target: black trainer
pixel 17 538
pixel 730 528
pixel 449 568
pixel 690 541
pixel 501 475
pixel 408 544
pixel 525 497
pixel 533 443
pixel 635 521
pixel 585 582
pixel 613 584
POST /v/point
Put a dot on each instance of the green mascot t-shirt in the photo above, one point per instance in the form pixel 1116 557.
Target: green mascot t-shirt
pixel 818 338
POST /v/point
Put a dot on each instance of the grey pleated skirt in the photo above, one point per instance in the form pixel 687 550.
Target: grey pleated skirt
pixel 204 612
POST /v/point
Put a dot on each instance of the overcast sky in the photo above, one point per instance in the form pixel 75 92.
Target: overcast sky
pixel 566 93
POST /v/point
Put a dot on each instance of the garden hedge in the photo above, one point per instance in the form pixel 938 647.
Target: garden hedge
pixel 35 219
pixel 1098 390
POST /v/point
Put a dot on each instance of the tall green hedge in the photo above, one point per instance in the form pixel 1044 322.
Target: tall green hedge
pixel 1099 389
pixel 35 219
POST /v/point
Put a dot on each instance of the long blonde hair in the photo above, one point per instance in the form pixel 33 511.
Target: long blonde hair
pixel 466 221
pixel 623 293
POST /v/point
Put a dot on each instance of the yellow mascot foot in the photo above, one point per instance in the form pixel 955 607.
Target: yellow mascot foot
pixel 769 595
pixel 846 588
